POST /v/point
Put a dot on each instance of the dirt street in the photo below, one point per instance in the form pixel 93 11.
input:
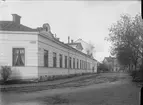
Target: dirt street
pixel 107 89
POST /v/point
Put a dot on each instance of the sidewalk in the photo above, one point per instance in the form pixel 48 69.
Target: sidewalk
pixel 47 83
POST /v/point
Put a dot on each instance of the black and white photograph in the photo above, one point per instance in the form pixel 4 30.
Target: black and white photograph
pixel 71 52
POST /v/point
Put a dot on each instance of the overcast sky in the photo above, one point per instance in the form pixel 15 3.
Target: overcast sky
pixel 88 20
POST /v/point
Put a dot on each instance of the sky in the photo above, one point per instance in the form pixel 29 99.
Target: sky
pixel 85 19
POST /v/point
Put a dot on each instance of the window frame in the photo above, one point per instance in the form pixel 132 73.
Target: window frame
pixel 70 66
pixel 54 59
pixel 13 56
pixel 60 60
pixel 77 64
pixel 80 64
pixel 46 64
pixel 73 63
pixel 66 64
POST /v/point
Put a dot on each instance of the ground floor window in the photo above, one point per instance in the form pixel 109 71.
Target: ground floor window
pixel 54 59
pixel 18 57
pixel 85 65
pixel 45 58
pixel 70 62
pixel 77 63
pixel 65 61
pixel 80 64
pixel 61 60
pixel 73 63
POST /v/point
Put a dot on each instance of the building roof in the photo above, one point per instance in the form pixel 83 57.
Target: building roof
pixel 77 44
pixel 45 31
pixel 63 44
pixel 86 46
pixel 73 43
pixel 13 26
pixel 109 59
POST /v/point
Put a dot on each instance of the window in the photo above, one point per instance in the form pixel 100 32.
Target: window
pixel 86 65
pixel 45 58
pixel 73 63
pixel 61 59
pixel 69 62
pixel 65 61
pixel 54 59
pixel 83 65
pixel 80 64
pixel 77 63
pixel 18 56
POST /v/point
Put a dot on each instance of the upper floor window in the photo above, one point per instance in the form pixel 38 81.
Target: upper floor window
pixel 18 56
pixel 54 59
pixel 45 58
pixel 65 61
pixel 60 58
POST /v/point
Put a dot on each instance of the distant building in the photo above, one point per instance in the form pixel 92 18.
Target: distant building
pixel 36 53
pixel 112 63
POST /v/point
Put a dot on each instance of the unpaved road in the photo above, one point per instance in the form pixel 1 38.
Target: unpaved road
pixel 119 91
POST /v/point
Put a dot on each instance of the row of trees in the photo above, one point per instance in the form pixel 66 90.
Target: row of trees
pixel 126 36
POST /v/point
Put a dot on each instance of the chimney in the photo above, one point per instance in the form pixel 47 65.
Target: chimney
pixel 68 39
pixel 71 41
pixel 16 18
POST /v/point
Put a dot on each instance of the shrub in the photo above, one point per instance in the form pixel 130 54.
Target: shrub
pixel 5 72
pixel 137 75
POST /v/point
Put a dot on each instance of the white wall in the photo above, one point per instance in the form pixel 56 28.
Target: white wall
pixel 34 53
pixel 45 43
pixel 9 40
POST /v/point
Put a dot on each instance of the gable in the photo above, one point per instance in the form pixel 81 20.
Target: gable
pixel 79 46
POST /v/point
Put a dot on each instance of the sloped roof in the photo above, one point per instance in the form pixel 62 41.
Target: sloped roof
pixel 84 44
pixel 75 44
pixel 109 59
pixel 13 26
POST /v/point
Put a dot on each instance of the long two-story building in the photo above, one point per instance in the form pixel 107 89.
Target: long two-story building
pixel 34 53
